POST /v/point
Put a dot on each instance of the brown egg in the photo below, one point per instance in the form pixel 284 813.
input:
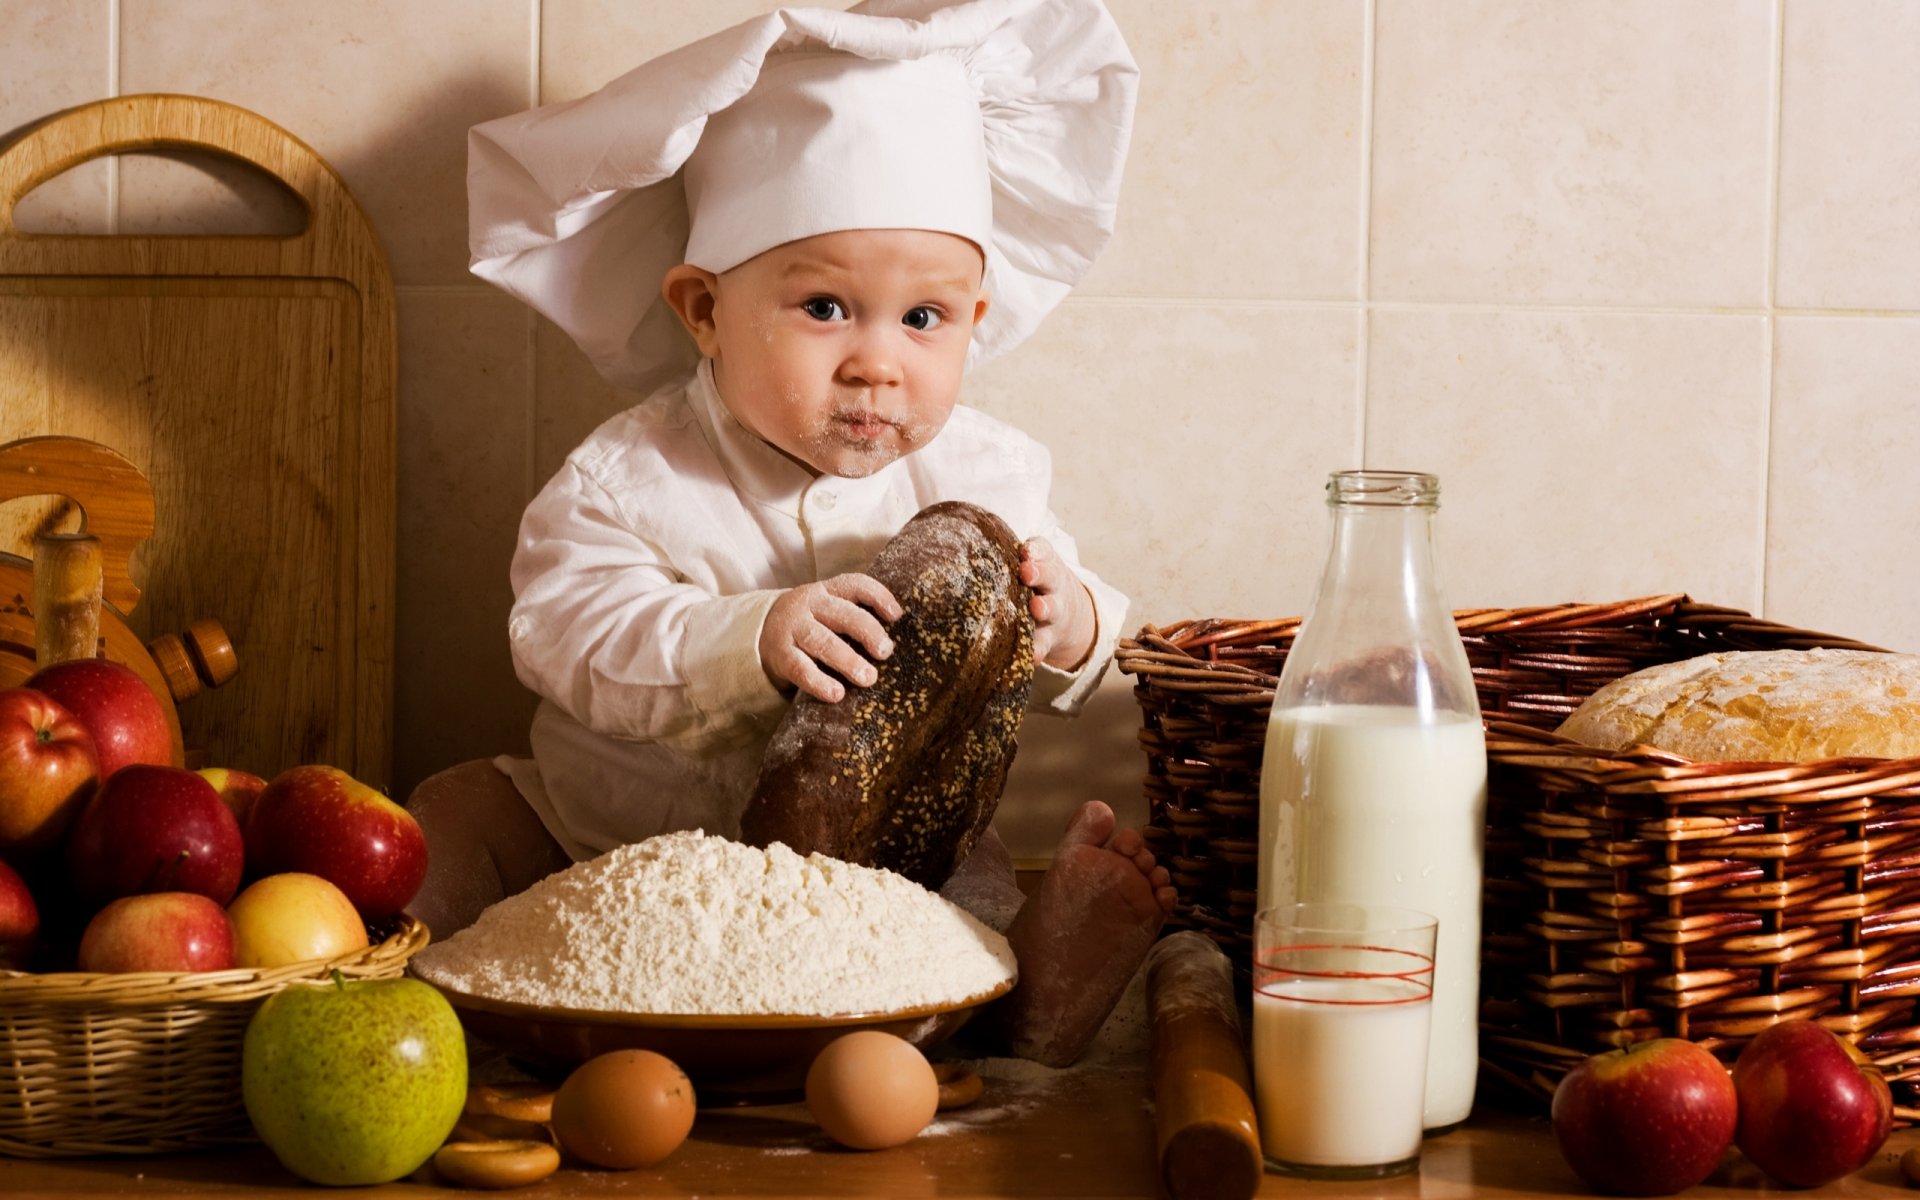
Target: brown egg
pixel 624 1109
pixel 870 1090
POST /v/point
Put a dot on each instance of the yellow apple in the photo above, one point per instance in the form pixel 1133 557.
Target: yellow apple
pixel 293 917
pixel 238 790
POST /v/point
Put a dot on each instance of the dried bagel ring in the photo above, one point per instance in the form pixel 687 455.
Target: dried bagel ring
pixel 483 1127
pixel 496 1164
pixel 514 1101
pixel 959 1084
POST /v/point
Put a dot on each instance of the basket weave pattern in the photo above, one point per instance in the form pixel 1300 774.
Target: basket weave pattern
pixel 1628 895
pixel 144 1064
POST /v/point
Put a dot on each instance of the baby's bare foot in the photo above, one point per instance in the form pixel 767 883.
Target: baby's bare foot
pixel 1081 936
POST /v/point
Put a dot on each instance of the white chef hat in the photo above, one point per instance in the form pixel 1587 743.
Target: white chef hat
pixel 1003 121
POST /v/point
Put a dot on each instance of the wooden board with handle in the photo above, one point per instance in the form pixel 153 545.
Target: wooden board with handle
pixel 251 379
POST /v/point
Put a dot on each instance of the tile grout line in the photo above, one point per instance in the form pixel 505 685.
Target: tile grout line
pixel 113 90
pixel 1364 342
pixel 476 288
pixel 1488 306
pixel 530 450
pixel 1770 324
pixel 535 20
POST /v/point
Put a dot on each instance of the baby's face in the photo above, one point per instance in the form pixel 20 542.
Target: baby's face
pixel 845 350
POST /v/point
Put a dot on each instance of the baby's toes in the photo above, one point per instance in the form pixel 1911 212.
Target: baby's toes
pixel 1128 842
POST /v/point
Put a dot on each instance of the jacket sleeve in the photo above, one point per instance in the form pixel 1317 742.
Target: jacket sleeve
pixel 606 628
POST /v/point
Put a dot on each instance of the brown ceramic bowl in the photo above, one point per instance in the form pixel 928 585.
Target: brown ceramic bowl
pixel 734 1059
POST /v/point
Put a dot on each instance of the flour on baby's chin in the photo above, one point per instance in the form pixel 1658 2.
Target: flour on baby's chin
pixel 685 923
pixel 918 433
pixel 853 458
pixel 864 460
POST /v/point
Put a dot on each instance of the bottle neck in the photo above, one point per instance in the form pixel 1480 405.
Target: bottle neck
pixel 1379 631
pixel 1381 556
pixel 1381 559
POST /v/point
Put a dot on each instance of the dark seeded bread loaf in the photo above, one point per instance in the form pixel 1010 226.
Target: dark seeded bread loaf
pixel 905 774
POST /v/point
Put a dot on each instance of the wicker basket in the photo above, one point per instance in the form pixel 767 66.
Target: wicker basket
pixel 144 1064
pixel 1628 896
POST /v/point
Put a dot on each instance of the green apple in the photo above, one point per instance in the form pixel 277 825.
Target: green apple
pixel 352 1083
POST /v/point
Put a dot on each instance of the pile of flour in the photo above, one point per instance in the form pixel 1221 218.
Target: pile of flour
pixel 685 923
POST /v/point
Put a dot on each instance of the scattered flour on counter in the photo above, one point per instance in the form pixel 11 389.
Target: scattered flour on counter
pixel 686 923
pixel 1124 1041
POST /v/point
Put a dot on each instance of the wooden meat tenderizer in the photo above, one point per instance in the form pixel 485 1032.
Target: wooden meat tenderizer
pixel 1202 1089
pixel 80 584
pixel 68 575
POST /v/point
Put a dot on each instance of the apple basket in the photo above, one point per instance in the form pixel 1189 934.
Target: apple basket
pixel 94 1064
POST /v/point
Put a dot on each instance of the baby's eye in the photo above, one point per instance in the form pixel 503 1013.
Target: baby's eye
pixel 823 308
pixel 922 318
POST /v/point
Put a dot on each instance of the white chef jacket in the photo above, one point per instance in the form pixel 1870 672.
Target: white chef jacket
pixel 646 566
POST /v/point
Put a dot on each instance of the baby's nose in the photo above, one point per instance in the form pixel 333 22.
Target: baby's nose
pixel 872 359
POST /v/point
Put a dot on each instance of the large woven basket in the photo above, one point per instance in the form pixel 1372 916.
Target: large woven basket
pixel 144 1064
pixel 1628 895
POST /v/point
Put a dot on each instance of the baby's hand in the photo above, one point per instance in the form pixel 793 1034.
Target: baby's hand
pixel 1063 619
pixel 802 634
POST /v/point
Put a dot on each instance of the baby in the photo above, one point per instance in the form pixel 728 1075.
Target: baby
pixel 843 210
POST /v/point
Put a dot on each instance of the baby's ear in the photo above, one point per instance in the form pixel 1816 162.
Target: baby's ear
pixel 690 292
pixel 979 310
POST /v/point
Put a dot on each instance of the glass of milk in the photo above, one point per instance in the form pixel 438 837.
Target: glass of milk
pixel 1342 1007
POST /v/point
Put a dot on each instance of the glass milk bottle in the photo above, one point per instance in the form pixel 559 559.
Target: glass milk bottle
pixel 1374 779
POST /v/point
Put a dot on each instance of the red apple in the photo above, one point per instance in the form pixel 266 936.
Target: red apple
pixel 126 719
pixel 158 931
pixel 322 821
pixel 1649 1120
pixel 155 829
pixel 293 917
pixel 237 789
pixel 47 769
pixel 1812 1107
pixel 19 920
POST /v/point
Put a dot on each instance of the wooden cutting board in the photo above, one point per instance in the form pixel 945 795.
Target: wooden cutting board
pixel 251 378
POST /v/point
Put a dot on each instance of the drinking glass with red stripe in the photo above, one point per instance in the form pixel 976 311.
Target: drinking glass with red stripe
pixel 1342 1006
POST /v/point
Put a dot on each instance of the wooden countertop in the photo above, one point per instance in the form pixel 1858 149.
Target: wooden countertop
pixel 1081 1133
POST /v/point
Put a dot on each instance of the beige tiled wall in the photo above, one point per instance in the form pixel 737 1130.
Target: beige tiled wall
pixel 1640 280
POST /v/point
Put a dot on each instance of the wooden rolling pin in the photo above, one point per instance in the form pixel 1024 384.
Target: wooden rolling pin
pixel 1202 1091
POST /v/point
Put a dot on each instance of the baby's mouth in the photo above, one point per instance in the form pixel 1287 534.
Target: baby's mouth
pixel 862 426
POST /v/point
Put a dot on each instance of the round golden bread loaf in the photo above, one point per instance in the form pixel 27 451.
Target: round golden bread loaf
pixel 1761 706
